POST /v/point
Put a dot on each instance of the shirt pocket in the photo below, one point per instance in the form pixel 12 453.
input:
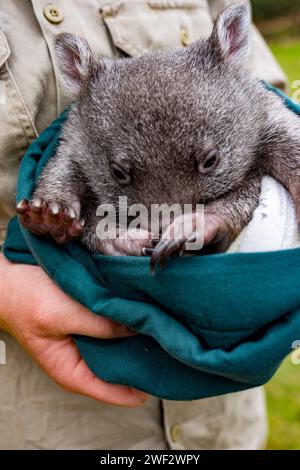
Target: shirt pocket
pixel 136 27
pixel 15 117
pixel 17 130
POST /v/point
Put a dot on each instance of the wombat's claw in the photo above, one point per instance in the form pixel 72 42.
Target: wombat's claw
pixel 61 223
pixel 167 248
pixel 147 251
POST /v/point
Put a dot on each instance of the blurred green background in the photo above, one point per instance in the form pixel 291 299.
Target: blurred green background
pixel 279 22
pixel 266 9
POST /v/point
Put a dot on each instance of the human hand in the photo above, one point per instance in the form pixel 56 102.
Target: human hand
pixel 41 317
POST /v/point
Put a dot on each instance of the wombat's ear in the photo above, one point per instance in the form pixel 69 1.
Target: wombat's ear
pixel 75 60
pixel 231 34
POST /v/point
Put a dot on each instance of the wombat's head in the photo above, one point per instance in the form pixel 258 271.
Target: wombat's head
pixel 174 126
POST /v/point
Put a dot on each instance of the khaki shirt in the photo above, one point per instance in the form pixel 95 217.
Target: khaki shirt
pixel 34 412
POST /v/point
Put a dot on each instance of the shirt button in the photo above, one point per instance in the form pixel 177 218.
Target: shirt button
pixel 175 432
pixel 53 14
pixel 185 37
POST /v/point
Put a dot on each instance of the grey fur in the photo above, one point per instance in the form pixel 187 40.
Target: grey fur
pixel 160 113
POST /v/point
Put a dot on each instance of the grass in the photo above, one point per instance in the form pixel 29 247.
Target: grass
pixel 283 399
pixel 287 53
pixel 283 391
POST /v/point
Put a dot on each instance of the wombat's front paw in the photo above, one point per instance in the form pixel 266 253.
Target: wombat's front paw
pixel 209 234
pixel 42 218
pixel 130 242
pixel 164 249
pixel 217 234
pixel 186 229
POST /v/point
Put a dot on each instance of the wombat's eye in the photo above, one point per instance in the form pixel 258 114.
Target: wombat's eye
pixel 121 175
pixel 209 162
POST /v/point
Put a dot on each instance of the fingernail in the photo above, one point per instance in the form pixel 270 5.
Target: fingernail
pixel 124 330
pixel 131 332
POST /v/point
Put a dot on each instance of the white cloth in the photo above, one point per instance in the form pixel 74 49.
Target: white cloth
pixel 274 225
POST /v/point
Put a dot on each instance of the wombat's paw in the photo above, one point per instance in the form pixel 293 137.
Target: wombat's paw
pixel 42 218
pixel 167 248
pixel 217 237
pixel 130 242
pixel 208 235
pixel 184 230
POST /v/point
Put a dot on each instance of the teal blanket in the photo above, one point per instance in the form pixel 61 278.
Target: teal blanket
pixel 208 325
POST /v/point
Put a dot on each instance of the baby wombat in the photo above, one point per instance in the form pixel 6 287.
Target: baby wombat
pixel 184 126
